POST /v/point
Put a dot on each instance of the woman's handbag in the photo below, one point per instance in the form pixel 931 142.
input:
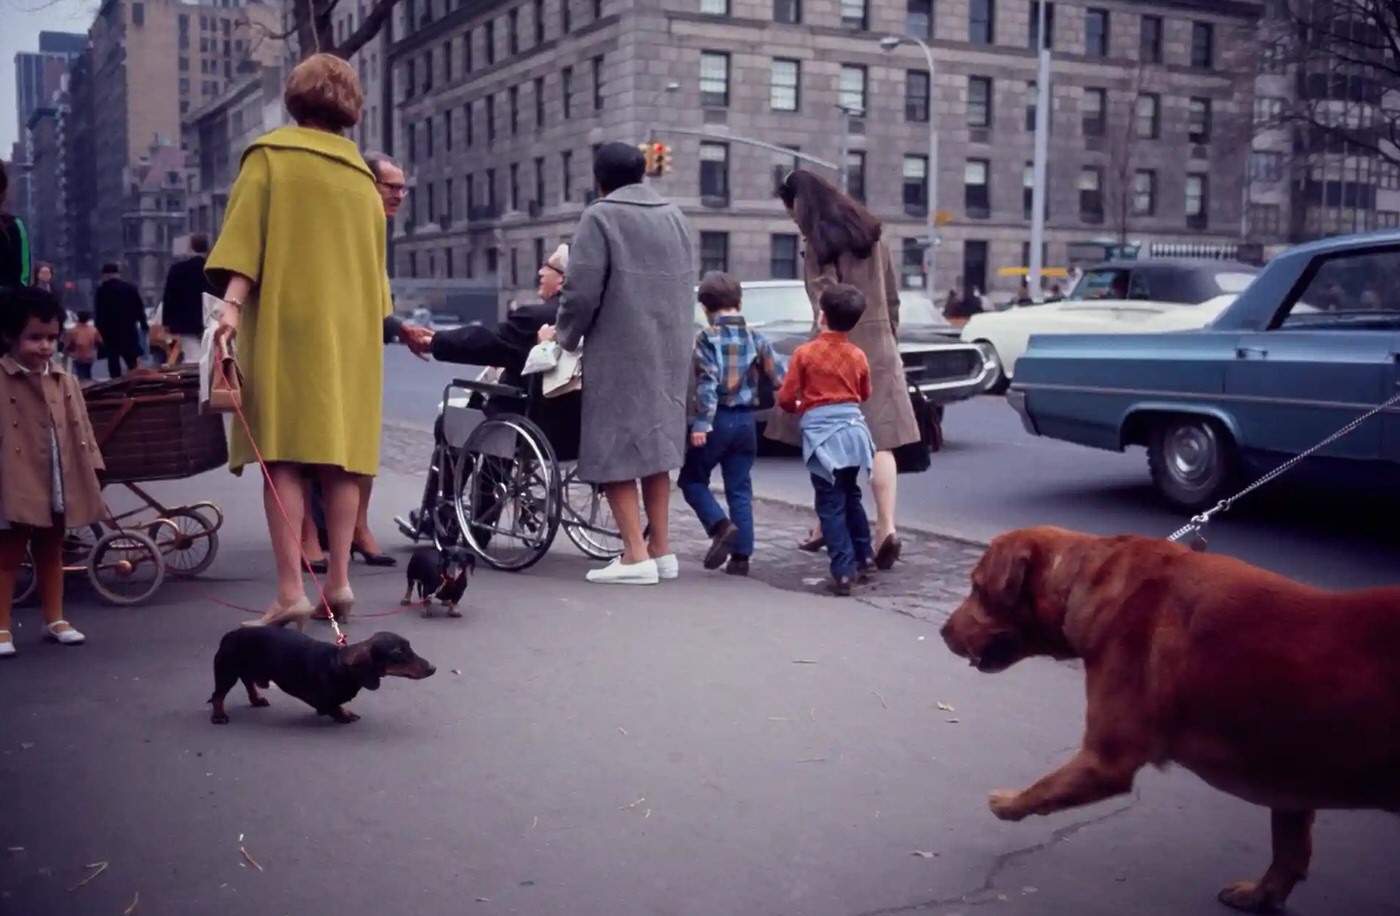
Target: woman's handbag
pixel 914 457
pixel 224 393
pixel 560 371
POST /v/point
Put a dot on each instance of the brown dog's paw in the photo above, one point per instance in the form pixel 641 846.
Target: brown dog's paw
pixel 1249 897
pixel 1003 804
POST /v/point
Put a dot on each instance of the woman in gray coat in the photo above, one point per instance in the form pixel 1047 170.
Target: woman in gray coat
pixel 629 301
pixel 843 245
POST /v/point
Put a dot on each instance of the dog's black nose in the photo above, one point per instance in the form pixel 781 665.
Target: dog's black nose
pixel 432 669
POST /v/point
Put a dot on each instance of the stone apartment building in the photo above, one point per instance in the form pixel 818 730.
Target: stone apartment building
pixel 39 78
pixel 500 104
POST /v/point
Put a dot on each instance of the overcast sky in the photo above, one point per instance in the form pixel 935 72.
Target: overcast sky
pixel 21 21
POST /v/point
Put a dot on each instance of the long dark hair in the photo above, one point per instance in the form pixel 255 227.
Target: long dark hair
pixel 832 222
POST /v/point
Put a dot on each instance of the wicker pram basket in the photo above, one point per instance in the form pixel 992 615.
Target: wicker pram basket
pixel 149 426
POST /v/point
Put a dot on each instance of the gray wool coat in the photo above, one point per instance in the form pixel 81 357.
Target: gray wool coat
pixel 629 300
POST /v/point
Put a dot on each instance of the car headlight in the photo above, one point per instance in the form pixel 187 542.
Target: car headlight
pixel 989 354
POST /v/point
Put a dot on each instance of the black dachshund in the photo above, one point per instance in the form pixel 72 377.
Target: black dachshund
pixel 439 574
pixel 319 674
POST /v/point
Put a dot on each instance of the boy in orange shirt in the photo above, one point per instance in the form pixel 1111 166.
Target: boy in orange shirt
pixel 80 345
pixel 827 381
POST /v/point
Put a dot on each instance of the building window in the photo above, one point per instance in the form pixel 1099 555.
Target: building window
pixel 855 175
pixel 566 168
pixel 491 191
pixel 916 99
pixel 539 101
pixel 539 185
pixel 1095 32
pixel 714 174
pixel 1198 121
pixel 714 252
pixel 1267 219
pixel 714 79
pixel 488 41
pixel 1147 120
pixel 1028 191
pixel 431 198
pixel 539 22
pixel 566 17
pixel 783 92
pixel 977 199
pixel 918 19
pixel 979 101
pixel 782 257
pixel 1095 100
pixel 539 251
pixel 1197 201
pixel 911 263
pixel 981 22
pixel 1268 167
pixel 1144 192
pixel 138 14
pixel 514 97
pixel 1091 194
pixel 598 83
pixel 1268 111
pixel 566 90
pixel 432 147
pixel 1385 219
pixel 470 182
pixel 788 12
pixel 916 185
pixel 490 119
pixel 447 129
pixel 851 88
pixel 1150 40
pixel 974 266
pixel 515 186
pixel 514 267
pixel 1033 41
pixel 447 62
pixel 712 7
pixel 447 202
pixel 467 125
pixel 1202 45
pixel 854 15
pixel 1032 103
pixel 513 32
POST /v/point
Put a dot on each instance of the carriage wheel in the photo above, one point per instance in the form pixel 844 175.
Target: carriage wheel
pixel 26 582
pixel 78 543
pixel 508 493
pixel 186 540
pixel 588 519
pixel 206 510
pixel 126 567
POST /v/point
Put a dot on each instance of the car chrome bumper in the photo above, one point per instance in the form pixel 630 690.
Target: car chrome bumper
pixel 946 391
pixel 1017 399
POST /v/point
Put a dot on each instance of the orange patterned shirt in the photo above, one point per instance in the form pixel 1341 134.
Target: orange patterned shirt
pixel 828 370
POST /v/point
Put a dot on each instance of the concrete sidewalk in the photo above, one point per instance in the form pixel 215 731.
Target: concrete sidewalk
pixel 708 746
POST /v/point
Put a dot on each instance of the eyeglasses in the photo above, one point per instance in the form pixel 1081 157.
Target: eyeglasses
pixel 399 189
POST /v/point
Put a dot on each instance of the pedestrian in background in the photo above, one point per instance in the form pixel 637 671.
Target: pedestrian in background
pixel 731 361
pixel 301 257
pixel 120 317
pixel 15 268
pixel 48 467
pixel 844 245
pixel 629 300
pixel 43 278
pixel 827 382
pixel 80 346
pixel 182 304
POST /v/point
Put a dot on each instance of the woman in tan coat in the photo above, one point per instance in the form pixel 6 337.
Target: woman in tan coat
pixel 843 245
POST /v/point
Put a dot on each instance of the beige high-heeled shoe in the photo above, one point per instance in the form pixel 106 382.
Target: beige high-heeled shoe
pixel 296 613
pixel 338 604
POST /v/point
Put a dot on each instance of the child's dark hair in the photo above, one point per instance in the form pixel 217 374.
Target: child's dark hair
pixel 842 305
pixel 18 304
pixel 85 316
pixel 720 292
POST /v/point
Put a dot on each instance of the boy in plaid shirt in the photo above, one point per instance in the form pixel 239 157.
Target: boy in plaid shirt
pixel 730 362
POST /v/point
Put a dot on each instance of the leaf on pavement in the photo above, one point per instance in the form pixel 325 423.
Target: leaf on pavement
pixel 100 866
pixel 945 706
pixel 132 908
pixel 924 854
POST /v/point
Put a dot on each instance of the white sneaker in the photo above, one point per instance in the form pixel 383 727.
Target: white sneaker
pixel 668 567
pixel 7 645
pixel 620 573
pixel 67 636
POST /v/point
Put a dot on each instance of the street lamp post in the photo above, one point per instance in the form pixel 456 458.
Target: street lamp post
pixel 1038 167
pixel 889 43
pixel 844 162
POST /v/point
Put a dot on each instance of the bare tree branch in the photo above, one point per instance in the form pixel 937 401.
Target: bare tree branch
pixel 370 27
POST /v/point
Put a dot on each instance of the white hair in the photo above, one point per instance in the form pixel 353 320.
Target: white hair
pixel 560 257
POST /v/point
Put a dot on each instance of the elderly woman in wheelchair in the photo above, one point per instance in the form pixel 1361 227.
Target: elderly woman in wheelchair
pixel 501 478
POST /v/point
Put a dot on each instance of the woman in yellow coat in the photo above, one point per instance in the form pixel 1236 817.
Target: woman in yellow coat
pixel 302 253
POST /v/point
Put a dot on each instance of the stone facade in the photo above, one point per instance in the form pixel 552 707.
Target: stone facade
pixel 489 195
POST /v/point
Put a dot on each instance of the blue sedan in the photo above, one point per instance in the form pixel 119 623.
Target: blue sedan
pixel 1308 347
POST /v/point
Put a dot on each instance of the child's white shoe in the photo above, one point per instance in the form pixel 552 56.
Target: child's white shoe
pixel 7 644
pixel 668 567
pixel 63 633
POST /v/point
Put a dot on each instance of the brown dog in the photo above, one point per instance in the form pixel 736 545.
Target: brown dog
pixel 1284 695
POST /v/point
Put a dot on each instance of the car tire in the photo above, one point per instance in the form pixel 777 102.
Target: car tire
pixel 1001 381
pixel 1193 461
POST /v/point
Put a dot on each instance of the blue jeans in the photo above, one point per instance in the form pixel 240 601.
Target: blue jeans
pixel 844 525
pixel 732 446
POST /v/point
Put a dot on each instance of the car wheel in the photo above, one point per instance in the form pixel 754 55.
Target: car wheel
pixel 1192 461
pixel 1001 381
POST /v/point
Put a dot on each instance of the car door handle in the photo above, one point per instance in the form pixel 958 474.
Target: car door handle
pixel 1250 353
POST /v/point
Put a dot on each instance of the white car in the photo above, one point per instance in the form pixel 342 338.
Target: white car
pixel 1117 297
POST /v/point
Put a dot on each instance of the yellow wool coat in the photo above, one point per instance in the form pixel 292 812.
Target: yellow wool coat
pixel 306 225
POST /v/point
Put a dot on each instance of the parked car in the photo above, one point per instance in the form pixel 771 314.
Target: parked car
pixel 1115 297
pixel 1310 345
pixel 940 369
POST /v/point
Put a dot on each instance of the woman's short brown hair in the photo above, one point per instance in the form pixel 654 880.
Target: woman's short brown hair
pixel 324 91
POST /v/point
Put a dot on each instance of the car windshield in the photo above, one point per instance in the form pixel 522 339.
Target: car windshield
pixel 771 305
pixel 915 308
pixel 1179 286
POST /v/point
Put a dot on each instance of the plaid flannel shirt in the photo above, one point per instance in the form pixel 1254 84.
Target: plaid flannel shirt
pixel 730 361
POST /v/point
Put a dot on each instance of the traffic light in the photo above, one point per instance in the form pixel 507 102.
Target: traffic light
pixel 662 154
pixel 646 149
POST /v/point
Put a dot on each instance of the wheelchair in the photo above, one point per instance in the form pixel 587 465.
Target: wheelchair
pixel 495 484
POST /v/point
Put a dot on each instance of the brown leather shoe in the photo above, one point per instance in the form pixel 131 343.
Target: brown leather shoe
pixel 888 552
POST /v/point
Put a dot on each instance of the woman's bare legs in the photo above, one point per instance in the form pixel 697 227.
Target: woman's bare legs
pixel 310 538
pixel 364 540
pixel 656 498
pixel 884 480
pixel 341 490
pixel 627 512
pixel 285 490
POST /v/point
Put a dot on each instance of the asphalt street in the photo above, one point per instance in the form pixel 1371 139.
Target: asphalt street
pixel 708 746
pixel 992 476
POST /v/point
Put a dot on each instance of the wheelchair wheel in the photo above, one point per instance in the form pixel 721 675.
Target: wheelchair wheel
pixel 439 499
pixel 588 519
pixel 508 494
